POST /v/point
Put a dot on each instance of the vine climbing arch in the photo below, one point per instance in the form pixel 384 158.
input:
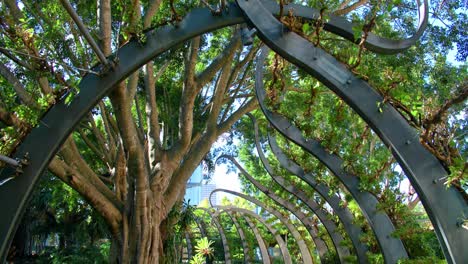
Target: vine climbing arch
pixel 445 206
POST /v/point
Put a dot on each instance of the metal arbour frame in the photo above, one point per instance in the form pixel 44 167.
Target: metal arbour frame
pixel 203 230
pixel 320 245
pixel 323 215
pixel 446 207
pixel 188 241
pixel 303 248
pixel 61 119
pixel 240 232
pixel 261 243
pixel 346 217
pixel 392 248
pixel 201 227
pixel 214 219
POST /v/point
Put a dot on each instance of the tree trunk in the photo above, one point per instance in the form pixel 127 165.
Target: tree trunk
pixel 129 247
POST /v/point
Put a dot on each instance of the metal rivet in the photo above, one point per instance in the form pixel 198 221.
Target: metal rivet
pixel 408 142
pixel 349 81
pixel 434 181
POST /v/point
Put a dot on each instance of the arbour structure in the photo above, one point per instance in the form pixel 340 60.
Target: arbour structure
pixel 445 206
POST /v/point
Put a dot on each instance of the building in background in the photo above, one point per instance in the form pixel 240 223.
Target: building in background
pixel 193 191
pixel 206 189
pixel 198 189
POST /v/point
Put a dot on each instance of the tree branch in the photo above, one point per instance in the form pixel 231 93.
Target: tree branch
pixel 153 7
pixel 98 201
pixel 346 10
pixel 18 87
pixel 205 76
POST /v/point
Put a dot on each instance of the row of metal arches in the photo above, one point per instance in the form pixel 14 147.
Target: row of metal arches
pixel 422 168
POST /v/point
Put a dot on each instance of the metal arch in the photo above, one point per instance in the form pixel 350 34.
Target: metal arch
pixel 422 169
pixel 201 227
pixel 342 27
pixel 323 215
pixel 306 221
pixel 214 218
pixel 391 248
pixel 343 213
pixel 261 245
pixel 240 232
pixel 305 253
pixel 279 240
pixel 188 240
pixel 61 118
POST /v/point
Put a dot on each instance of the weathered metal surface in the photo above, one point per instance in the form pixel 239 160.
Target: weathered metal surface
pixel 422 169
pixel 261 243
pixel 188 241
pixel 61 119
pixel 354 232
pixel 240 232
pixel 323 215
pixel 214 219
pixel 303 218
pixel 392 248
pixel 342 27
pixel 305 253
pixel 201 227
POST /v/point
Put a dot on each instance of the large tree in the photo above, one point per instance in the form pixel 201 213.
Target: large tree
pixel 131 157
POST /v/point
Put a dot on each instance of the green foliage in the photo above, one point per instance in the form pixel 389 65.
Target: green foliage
pixel 204 250
pixel 76 255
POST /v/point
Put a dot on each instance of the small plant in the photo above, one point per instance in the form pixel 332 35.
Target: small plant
pixel 204 251
pixel 197 259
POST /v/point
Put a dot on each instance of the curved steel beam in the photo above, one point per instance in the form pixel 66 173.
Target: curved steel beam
pixel 422 169
pixel 214 219
pixel 261 243
pixel 305 253
pixel 392 248
pixel 201 227
pixel 188 240
pixel 240 232
pixel 342 27
pixel 203 233
pixel 322 214
pixel 303 218
pixel 343 213
pixel 61 118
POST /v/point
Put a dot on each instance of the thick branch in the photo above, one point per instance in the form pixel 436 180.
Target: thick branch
pixel 98 201
pixel 217 99
pixel 153 7
pixel 189 93
pixel 197 152
pixel 350 8
pixel 18 87
pixel 104 9
pixel 205 76
pixel 72 157
pixel 437 116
